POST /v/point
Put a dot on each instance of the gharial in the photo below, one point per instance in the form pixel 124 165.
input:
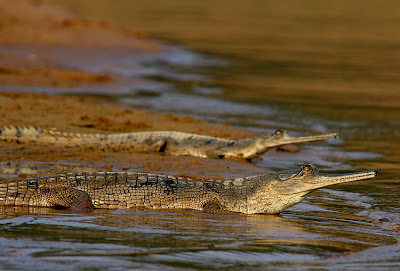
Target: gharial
pixel 271 193
pixel 169 142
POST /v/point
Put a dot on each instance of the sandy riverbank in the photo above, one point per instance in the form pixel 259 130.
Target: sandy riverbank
pixel 28 24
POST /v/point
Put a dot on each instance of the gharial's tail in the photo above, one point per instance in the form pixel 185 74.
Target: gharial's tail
pixel 36 135
pixel 16 132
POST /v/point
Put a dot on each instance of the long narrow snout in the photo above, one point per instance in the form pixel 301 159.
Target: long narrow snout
pixel 291 140
pixel 326 180
pixel 308 183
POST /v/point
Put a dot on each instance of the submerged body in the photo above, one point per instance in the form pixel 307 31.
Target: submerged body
pixel 169 142
pixel 271 193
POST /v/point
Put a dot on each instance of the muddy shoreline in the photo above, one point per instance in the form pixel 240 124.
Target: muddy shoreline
pixel 94 115
pixel 54 28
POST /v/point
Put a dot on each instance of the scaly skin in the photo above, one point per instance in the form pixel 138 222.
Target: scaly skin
pixel 171 143
pixel 271 193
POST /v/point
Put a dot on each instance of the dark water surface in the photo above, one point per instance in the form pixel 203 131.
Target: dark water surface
pixel 305 66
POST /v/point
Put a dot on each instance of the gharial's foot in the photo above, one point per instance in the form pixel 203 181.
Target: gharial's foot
pixel 62 197
pixel 216 208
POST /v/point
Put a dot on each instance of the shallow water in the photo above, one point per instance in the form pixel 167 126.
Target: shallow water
pixel 308 68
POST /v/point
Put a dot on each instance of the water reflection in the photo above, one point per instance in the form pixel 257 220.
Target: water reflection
pixel 142 237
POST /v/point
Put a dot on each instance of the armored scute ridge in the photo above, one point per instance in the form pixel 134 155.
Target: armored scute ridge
pixel 169 142
pixel 271 193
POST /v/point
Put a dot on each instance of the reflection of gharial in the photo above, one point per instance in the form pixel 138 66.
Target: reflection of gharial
pixel 271 193
pixel 169 142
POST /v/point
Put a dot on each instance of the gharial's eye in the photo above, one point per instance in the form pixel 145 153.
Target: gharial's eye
pixel 278 133
pixel 308 168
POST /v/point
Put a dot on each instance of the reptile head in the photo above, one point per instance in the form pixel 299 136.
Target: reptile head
pixel 281 137
pixel 262 144
pixel 308 178
pixel 281 190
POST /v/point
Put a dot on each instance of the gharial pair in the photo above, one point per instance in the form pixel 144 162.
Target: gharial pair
pixel 268 193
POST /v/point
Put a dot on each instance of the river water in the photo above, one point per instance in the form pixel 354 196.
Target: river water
pixel 304 66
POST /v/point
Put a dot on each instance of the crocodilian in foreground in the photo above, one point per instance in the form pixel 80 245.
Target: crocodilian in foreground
pixel 271 193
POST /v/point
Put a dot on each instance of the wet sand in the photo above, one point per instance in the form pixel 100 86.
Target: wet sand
pixel 94 115
pixel 27 27
pixel 50 27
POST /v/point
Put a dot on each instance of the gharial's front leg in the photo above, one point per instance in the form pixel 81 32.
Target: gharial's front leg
pixel 61 197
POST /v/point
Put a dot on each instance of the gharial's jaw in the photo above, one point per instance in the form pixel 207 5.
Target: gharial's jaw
pixel 262 144
pixel 308 179
pixel 280 138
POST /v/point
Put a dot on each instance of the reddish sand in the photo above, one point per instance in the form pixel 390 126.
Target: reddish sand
pixel 26 23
